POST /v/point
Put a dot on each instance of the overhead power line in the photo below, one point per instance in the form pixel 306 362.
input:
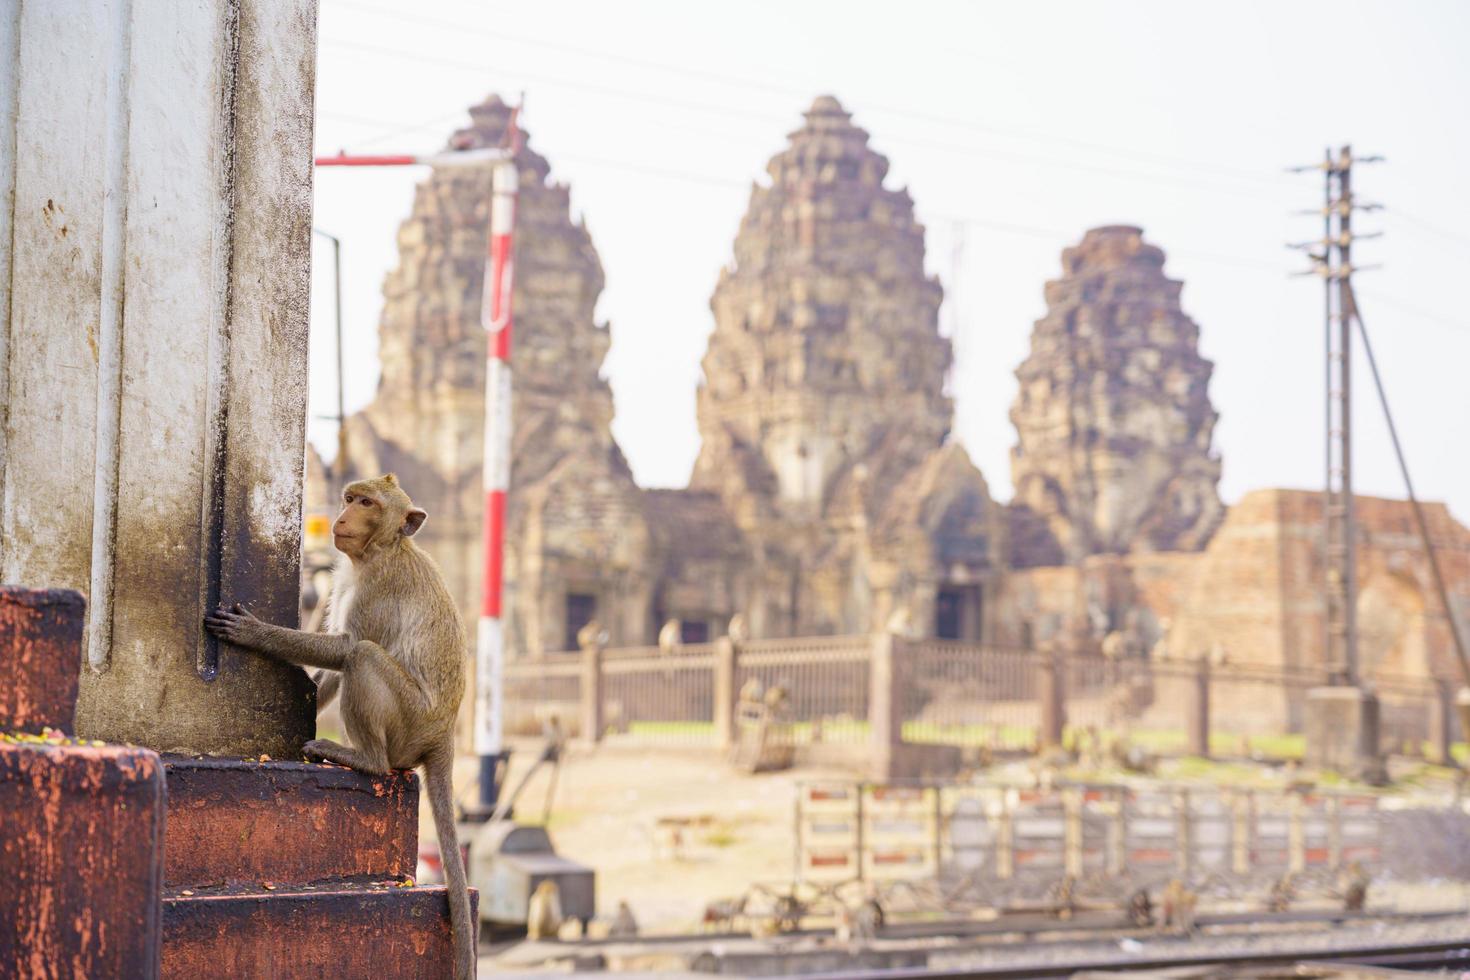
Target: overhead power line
pixel 749 83
pixel 1170 176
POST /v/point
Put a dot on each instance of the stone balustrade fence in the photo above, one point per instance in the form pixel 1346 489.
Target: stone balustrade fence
pixel 903 703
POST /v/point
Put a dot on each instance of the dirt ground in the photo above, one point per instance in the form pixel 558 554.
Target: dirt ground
pixel 609 803
pixel 606 812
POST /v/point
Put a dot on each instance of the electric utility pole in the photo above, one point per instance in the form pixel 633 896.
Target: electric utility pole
pixel 1332 260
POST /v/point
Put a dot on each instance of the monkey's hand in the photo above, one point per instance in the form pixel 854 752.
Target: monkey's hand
pixel 236 625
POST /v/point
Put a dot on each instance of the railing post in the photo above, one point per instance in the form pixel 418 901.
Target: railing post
pixel 1198 719
pixel 885 705
pixel 1442 723
pixel 1050 690
pixel 725 693
pixel 592 641
pixel 1462 712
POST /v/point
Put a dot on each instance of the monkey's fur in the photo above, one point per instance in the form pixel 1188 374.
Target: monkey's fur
pixel 543 911
pixel 395 649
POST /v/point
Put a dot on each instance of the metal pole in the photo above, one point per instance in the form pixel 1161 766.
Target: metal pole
pixel 339 465
pixel 1329 449
pixel 341 461
pixel 495 315
pixel 1345 366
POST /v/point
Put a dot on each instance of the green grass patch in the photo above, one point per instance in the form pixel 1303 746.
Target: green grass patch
pixel 721 837
pixel 935 733
pixel 691 730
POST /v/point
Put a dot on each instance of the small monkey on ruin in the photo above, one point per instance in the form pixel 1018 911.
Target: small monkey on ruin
pixel 395 652
pixel 543 911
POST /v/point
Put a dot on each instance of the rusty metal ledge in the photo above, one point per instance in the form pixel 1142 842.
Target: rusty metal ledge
pixel 40 657
pixel 81 863
pixel 367 932
pixel 237 820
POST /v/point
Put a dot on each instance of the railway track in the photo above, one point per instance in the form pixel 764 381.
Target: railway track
pixel 1080 926
pixel 1410 957
pixel 1088 944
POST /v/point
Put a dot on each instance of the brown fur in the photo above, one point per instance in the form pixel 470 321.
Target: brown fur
pixel 395 650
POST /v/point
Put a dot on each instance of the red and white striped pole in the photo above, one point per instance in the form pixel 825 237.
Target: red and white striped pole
pixel 495 314
pixel 495 317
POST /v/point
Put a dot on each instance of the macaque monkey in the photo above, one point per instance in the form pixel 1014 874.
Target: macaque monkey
pixel 1179 904
pixel 624 926
pixel 395 651
pixel 543 911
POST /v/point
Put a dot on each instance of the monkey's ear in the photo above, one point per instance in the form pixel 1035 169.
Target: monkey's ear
pixel 413 520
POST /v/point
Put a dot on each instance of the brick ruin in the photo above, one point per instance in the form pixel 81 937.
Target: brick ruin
pixel 828 496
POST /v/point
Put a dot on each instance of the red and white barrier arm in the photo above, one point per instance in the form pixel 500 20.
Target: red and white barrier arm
pixel 448 158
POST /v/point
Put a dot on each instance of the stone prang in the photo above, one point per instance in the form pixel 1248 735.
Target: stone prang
pixel 1113 417
pixel 824 395
pixel 825 497
pixel 427 419
pixel 826 347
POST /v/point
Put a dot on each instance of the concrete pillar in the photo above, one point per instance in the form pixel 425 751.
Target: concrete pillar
pixel 1342 729
pixel 593 721
pixel 155 223
pixel 1462 710
pixel 1050 691
pixel 1198 710
pixel 725 694
pixel 1443 725
pixel 885 706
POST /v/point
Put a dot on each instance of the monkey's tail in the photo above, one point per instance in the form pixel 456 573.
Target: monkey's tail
pixel 439 779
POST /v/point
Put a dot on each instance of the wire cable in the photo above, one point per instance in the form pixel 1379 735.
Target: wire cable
pixel 746 83
pixel 722 111
pixel 1398 450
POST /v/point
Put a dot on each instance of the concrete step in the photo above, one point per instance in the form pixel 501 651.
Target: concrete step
pixel 241 822
pixel 358 929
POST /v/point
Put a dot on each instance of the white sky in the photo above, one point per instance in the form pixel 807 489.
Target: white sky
pixel 1016 126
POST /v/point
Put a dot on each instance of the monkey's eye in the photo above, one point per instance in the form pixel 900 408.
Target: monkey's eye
pixel 366 501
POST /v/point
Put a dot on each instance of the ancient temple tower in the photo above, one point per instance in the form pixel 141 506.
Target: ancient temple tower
pixel 426 421
pixel 825 345
pixel 1113 418
pixel 823 380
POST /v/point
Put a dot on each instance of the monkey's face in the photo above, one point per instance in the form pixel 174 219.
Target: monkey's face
pixel 374 513
pixel 359 522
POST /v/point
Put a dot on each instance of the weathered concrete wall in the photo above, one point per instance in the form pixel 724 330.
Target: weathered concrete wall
pixel 155 162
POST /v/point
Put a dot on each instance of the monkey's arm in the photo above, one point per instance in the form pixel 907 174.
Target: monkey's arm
pixel 239 627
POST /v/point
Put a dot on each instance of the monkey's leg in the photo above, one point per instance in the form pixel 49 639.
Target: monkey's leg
pixel 239 627
pixel 371 673
pixel 327 683
pixel 372 762
pixel 376 693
